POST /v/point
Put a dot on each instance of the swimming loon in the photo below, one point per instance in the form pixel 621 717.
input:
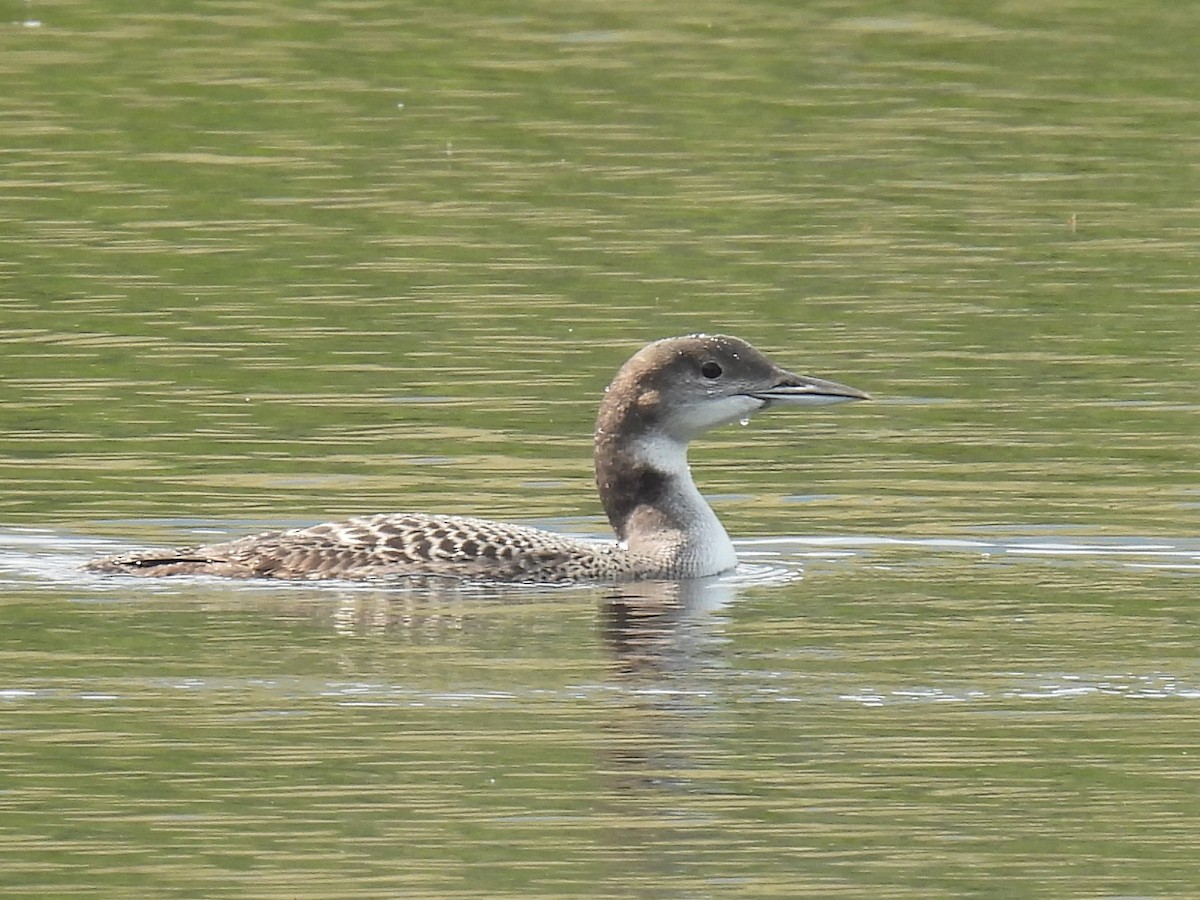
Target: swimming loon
pixel 669 392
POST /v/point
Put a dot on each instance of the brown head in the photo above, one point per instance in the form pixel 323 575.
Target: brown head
pixel 674 389
pixel 681 387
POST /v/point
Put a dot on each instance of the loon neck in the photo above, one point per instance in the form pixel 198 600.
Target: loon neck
pixel 652 503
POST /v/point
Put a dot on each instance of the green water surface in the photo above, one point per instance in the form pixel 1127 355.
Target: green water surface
pixel 266 263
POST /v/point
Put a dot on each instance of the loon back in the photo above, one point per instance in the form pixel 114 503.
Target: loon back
pixel 387 547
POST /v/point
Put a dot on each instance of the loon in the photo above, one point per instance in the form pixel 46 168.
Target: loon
pixel 669 392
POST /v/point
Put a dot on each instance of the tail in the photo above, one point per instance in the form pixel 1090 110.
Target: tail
pixel 153 564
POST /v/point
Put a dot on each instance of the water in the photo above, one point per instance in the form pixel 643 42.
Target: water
pixel 264 264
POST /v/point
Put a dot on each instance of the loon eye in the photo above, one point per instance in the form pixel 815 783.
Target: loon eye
pixel 711 370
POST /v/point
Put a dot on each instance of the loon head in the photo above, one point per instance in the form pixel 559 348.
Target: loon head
pixel 678 388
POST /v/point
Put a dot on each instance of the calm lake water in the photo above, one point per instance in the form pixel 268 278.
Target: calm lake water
pixel 268 263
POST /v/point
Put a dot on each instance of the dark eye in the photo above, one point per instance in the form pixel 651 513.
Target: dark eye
pixel 711 370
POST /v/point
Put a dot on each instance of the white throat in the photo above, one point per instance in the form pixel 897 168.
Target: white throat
pixel 707 548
